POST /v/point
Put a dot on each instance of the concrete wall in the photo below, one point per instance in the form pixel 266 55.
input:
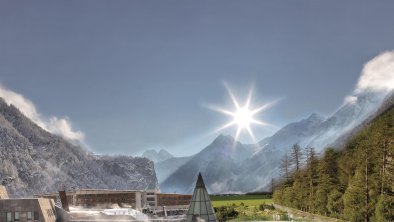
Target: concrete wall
pixel 45 209
pixel 3 192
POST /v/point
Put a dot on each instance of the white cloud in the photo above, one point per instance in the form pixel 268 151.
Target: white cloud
pixel 24 105
pixel 58 126
pixel 377 74
pixel 351 99
pixel 62 126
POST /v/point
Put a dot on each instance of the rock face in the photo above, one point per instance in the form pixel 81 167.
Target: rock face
pixel 34 161
pixel 230 166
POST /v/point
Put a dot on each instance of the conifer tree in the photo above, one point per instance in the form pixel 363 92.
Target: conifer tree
pixel 285 167
pixel 296 157
pixel 311 173
pixel 327 179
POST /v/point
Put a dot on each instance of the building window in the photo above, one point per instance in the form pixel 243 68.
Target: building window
pixel 9 216
pixel 29 215
pixel 16 216
pixel 36 216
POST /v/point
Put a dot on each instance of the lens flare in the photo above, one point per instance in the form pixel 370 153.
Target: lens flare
pixel 243 116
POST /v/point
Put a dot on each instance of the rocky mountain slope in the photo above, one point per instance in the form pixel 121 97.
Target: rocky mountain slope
pixel 387 103
pixel 34 161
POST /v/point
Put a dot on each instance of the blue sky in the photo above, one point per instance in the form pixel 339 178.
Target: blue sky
pixel 135 75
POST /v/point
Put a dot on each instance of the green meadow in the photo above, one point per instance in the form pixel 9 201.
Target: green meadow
pixel 245 207
pixel 247 200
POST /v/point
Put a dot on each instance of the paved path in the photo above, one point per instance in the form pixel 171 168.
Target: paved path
pixel 307 216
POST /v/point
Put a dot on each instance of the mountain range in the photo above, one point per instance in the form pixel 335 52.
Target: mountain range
pixel 230 167
pixel 34 161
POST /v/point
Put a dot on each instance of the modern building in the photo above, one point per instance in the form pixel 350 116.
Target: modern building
pixel 173 201
pixel 26 209
pixel 200 208
pixel 136 199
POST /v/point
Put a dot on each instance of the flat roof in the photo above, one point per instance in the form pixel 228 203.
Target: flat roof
pixel 98 190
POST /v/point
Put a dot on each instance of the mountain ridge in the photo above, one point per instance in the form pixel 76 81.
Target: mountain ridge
pixel 36 161
pixel 255 172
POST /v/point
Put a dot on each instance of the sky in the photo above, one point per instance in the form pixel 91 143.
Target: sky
pixel 125 76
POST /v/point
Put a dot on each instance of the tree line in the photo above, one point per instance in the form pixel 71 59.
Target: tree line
pixel 355 183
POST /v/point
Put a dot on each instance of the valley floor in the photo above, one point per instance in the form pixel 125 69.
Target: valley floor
pixel 259 208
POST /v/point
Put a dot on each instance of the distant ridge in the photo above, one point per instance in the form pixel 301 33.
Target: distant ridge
pixel 156 157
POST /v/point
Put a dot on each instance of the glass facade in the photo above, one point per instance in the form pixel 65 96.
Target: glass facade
pixel 9 216
pixel 200 208
pixel 16 216
pixel 36 215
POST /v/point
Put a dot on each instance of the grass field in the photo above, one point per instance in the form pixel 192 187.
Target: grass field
pixel 256 207
pixel 248 200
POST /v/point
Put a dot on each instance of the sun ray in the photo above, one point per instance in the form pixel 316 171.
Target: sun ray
pixel 251 133
pixel 250 94
pixel 221 110
pixel 243 116
pixel 225 126
pixel 238 133
pixel 260 122
pixel 261 108
pixel 233 99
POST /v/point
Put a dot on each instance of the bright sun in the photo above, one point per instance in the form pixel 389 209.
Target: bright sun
pixel 243 116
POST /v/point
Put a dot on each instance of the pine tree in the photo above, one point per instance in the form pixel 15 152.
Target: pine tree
pixel 356 183
pixel 272 185
pixel 296 157
pixel 311 163
pixel 327 180
pixel 355 198
pixel 285 167
pixel 384 211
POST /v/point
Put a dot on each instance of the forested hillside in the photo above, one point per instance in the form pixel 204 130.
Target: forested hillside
pixel 355 183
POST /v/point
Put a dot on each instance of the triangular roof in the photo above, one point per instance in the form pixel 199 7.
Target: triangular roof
pixel 200 208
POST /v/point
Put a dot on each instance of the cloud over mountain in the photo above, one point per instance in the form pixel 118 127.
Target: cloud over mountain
pixel 376 77
pixel 58 125
pixel 377 74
